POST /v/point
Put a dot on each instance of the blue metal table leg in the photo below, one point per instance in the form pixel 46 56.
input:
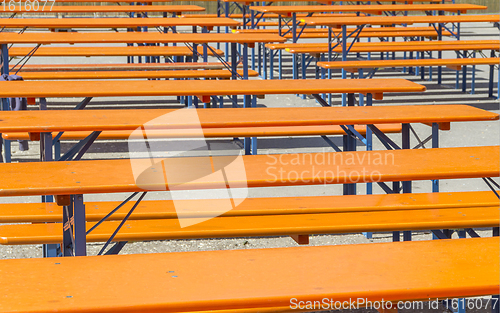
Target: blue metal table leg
pixel 349 145
pixel 369 147
pixel 49 250
pixel 264 61
pixel 344 58
pixel 79 226
pixel 406 184
pixel 435 144
pixel 271 63
pixel 464 78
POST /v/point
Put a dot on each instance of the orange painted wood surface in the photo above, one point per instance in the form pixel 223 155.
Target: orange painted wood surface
pixel 270 131
pixel 105 8
pixel 134 37
pixel 132 74
pixel 35 89
pixel 260 225
pixel 389 20
pixel 116 22
pixel 184 282
pixel 373 9
pixel 95 120
pixel 413 62
pixel 166 209
pixel 106 176
pixel 108 51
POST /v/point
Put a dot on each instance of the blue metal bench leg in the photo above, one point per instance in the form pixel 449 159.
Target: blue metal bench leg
pixel 406 184
pixel 49 250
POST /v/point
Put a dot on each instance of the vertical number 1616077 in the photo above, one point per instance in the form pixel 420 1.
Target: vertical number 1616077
pixel 27 5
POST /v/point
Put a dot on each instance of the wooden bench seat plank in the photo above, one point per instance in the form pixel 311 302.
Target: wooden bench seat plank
pixel 35 89
pixel 133 74
pixel 372 9
pixel 232 132
pixel 325 30
pixel 91 120
pixel 390 20
pixel 409 63
pixel 427 34
pixel 184 282
pixel 276 46
pixel 116 22
pixel 261 225
pixel 109 9
pixel 106 176
pixel 134 37
pixel 108 51
pixel 269 15
pixel 402 48
pixel 165 209
pixel 122 67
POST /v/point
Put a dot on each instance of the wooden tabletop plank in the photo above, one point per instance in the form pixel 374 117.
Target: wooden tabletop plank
pixel 134 37
pixel 184 281
pixel 226 132
pixel 109 176
pixel 103 8
pixel 72 51
pixel 328 2
pixel 62 89
pixel 120 22
pixel 389 20
pixel 373 9
pixel 121 67
pixel 92 120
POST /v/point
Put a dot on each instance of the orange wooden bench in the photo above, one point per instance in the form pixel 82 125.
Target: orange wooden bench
pixel 272 224
pixel 245 278
pixel 165 209
pixel 169 74
pixel 358 45
pixel 401 47
pixel 123 67
pixel 164 51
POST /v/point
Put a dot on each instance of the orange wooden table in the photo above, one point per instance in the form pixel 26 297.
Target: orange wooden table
pixel 110 120
pixel 372 9
pixel 253 280
pixel 110 176
pixel 74 38
pixel 177 9
pixel 118 22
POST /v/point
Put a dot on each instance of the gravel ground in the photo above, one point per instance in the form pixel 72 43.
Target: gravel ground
pixel 461 134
